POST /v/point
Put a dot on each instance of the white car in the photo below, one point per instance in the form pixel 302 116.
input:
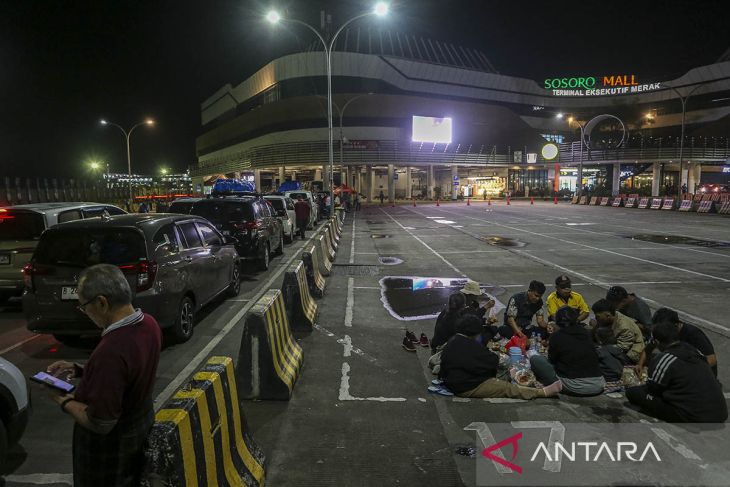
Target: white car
pixel 307 195
pixel 284 207
pixel 14 407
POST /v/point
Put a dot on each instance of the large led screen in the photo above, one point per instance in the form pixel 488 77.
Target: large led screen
pixel 432 129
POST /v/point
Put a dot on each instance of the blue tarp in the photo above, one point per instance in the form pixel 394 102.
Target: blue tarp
pixel 233 186
pixel 290 186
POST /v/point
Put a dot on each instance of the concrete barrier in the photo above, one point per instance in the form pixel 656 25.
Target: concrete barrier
pixel 321 249
pixel 656 203
pixel 200 436
pixel 583 200
pixel 338 227
pixel 574 200
pixel 301 308
pixel 270 359
pixel 644 203
pixel 604 201
pixel 686 205
pixel 668 204
pixel 725 208
pixel 329 230
pixel 594 200
pixel 324 244
pixel 617 201
pixel 706 207
pixel 315 281
pixel 630 203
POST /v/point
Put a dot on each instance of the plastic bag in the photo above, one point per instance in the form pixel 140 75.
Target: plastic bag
pixel 516 341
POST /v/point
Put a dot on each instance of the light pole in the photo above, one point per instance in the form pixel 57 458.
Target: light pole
pixel 381 9
pixel 127 135
pixel 682 99
pixel 579 183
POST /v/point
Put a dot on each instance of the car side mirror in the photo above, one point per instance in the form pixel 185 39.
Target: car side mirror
pixel 229 240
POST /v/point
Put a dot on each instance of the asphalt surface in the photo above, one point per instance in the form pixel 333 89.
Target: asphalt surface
pixel 360 413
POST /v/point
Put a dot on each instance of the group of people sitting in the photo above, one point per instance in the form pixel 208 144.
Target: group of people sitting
pixel 582 354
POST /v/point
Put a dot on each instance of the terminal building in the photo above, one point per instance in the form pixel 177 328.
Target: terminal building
pixel 418 118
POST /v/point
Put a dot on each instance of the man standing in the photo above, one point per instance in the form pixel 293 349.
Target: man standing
pixel 520 310
pixel 628 335
pixel 382 197
pixel 630 305
pixel 301 211
pixel 681 387
pixel 564 296
pixel 112 405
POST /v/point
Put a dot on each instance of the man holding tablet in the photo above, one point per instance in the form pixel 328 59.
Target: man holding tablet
pixel 112 404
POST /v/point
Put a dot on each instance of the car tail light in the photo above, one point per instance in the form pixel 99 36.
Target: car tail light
pixel 4 214
pixel 145 272
pixel 30 269
pixel 254 225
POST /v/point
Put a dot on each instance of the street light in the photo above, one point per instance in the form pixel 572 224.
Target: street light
pixel 164 171
pixel 273 17
pixel 127 135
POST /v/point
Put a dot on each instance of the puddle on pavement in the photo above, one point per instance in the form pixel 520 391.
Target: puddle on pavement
pixel 379 235
pixel 390 260
pixel 502 241
pixel 409 298
pixel 679 240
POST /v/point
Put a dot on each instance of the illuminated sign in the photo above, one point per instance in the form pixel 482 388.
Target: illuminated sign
pixel 432 129
pixel 726 169
pixel 620 84
pixel 549 151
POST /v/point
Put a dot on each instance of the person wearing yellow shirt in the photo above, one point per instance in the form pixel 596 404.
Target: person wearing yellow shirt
pixel 565 296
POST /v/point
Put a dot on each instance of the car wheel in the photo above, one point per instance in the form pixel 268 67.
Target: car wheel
pixel 182 329
pixel 290 238
pixel 235 287
pixel 264 261
pixel 280 249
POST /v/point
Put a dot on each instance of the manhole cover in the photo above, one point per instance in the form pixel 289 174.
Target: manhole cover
pixel 390 260
pixel 379 235
pixel 502 241
pixel 355 270
pixel 680 240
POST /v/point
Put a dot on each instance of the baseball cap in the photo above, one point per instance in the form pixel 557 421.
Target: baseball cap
pixel 563 282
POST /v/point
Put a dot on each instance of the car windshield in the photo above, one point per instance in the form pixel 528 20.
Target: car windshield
pixel 223 211
pixel 83 247
pixel 296 196
pixel 20 225
pixel 276 203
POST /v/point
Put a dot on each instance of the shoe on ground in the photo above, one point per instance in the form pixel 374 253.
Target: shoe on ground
pixel 408 345
pixel 412 337
pixel 424 341
pixel 436 382
pixel 440 390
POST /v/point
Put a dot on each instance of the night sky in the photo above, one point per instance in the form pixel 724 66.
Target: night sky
pixel 66 64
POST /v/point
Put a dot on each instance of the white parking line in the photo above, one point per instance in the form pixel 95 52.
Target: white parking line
pixel 350 301
pixel 13 347
pixel 41 478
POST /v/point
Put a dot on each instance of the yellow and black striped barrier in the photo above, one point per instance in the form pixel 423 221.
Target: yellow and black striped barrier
pixel 270 359
pixel 201 438
pixel 329 230
pixel 322 258
pixel 324 245
pixel 338 226
pixel 315 281
pixel 301 308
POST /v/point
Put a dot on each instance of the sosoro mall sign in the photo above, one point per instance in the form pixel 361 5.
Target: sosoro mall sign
pixel 620 84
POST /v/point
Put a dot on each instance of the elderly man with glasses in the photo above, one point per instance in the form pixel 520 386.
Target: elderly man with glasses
pixel 112 404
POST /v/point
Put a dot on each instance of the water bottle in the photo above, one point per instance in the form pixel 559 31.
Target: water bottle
pixel 535 342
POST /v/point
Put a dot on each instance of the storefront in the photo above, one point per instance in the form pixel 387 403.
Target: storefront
pixel 484 186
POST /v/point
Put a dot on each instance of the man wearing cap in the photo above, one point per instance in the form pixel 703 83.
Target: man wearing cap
pixel 564 296
pixel 629 304
pixel 520 310
pixel 475 296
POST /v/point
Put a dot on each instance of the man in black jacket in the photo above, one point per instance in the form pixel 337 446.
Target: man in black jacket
pixel 681 386
pixel 468 369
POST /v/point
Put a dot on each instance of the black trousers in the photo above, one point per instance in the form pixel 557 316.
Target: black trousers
pixel 653 405
pixel 302 226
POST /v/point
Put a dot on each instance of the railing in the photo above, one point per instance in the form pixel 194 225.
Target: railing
pixel 571 153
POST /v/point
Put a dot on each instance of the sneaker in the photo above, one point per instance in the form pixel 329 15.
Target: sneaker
pixel 408 345
pixel 440 390
pixel 436 382
pixel 411 336
pixel 424 341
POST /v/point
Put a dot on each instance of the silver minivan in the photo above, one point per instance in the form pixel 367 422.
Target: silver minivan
pixel 175 265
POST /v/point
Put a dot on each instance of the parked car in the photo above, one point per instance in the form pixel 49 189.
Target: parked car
pixel 175 265
pixel 251 220
pixel 14 407
pixel 313 205
pixel 21 227
pixel 284 208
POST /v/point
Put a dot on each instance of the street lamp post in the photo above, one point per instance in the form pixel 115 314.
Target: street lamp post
pixel 381 9
pixel 682 99
pixel 127 135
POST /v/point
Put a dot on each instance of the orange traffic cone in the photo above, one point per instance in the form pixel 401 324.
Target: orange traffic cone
pixel 414 202
pixel 532 200
pixel 392 203
pixel 468 202
pixel 555 200
pixel 507 200
pixel 437 202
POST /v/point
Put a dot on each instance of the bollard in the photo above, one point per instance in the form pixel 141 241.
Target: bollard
pixel 489 202
pixel 270 359
pixel 414 202
pixel 437 202
pixel 301 309
pixel 532 200
pixel 507 200
pixel 555 200
pixel 468 202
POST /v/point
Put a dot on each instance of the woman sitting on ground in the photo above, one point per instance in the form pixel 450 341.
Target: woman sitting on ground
pixel 469 369
pixel 572 358
pixel 446 322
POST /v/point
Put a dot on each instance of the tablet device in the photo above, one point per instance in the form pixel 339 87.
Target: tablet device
pixel 54 382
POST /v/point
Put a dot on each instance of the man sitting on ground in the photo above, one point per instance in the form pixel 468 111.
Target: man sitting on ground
pixel 628 335
pixel 520 310
pixel 630 305
pixel 565 296
pixel 469 369
pixel 681 387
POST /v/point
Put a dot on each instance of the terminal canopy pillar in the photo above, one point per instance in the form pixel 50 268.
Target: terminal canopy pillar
pixel 454 181
pixel 616 185
pixel 430 182
pixel 391 185
pixel 282 175
pixel 293 175
pixel 408 183
pixel 359 179
pixel 694 170
pixel 656 178
pixel 257 179
pixel 369 183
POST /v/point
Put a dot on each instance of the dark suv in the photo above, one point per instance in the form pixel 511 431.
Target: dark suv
pixel 251 220
pixel 175 264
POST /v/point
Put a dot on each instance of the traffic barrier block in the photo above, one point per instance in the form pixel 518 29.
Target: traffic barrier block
pixel 201 437
pixel 320 248
pixel 334 235
pixel 329 233
pixel 668 204
pixel 270 359
pixel 644 203
pixel 315 281
pixel 594 200
pixel 604 201
pixel 706 207
pixel 338 228
pixel 301 308
pixel 686 205
pixel 574 200
pixel 324 244
pixel 725 208
pixel 630 203
pixel 617 202
pixel 656 203
pixel 583 200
